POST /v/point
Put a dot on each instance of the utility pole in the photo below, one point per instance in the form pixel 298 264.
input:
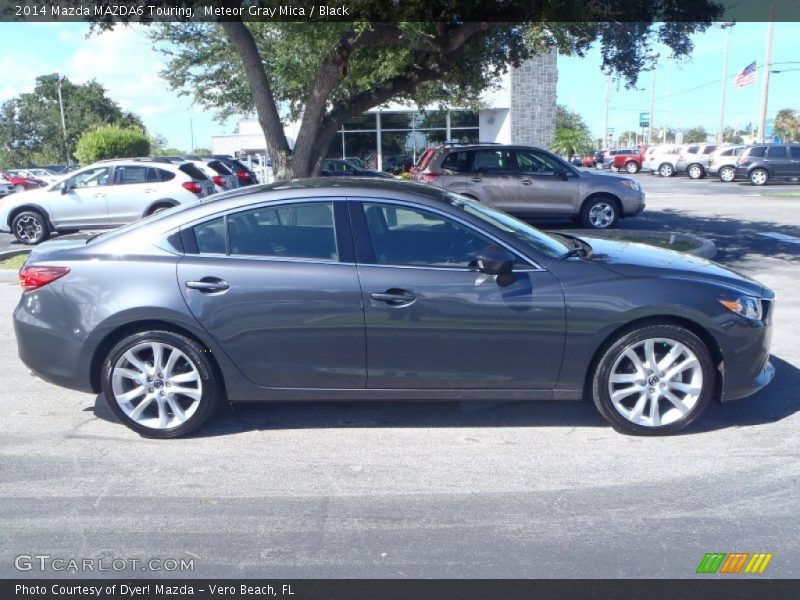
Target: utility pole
pixel 654 57
pixel 605 118
pixel 762 120
pixel 191 135
pixel 721 131
pixel 63 120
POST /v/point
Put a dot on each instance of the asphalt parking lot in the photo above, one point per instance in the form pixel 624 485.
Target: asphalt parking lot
pixel 505 490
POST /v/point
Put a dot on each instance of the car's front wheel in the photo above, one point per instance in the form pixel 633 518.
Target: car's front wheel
pixel 666 170
pixel 30 227
pixel 600 212
pixel 695 172
pixel 727 174
pixel 160 384
pixel 759 177
pixel 632 167
pixel 653 380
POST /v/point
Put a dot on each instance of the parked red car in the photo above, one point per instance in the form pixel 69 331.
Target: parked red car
pixel 23 183
pixel 630 162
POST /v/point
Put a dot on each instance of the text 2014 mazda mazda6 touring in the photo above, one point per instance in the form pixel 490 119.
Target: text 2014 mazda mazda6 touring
pixel 376 289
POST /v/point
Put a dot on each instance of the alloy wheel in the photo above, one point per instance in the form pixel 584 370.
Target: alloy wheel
pixel 29 229
pixel 632 167
pixel 695 172
pixel 758 177
pixel 601 215
pixel 157 385
pixel 655 382
pixel 727 174
pixel 665 170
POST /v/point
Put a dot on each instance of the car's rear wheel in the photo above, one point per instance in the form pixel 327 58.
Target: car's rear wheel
pixel 160 384
pixel 30 227
pixel 600 212
pixel 632 167
pixel 758 177
pixel 653 380
pixel 695 172
pixel 666 170
pixel 727 174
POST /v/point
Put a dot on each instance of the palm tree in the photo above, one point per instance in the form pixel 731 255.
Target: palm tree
pixel 570 142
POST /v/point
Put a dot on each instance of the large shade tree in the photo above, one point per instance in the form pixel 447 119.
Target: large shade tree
pixel 448 51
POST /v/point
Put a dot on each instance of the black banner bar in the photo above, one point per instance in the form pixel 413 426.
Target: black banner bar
pixel 391 589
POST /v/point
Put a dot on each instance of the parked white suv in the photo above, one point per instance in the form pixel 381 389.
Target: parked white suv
pixel 662 159
pixel 104 195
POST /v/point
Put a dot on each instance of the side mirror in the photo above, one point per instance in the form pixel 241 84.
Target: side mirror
pixel 67 188
pixel 495 261
pixel 564 174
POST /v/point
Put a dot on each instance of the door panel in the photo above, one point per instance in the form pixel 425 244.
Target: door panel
pixel 462 330
pixel 283 323
pixel 135 188
pixel 491 179
pixel 85 202
pixel 542 189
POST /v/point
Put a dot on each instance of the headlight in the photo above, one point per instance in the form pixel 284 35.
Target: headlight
pixel 634 185
pixel 746 306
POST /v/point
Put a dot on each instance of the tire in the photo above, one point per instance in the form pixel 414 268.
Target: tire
pixel 636 412
pixel 632 167
pixel 666 170
pixel 695 171
pixel 727 174
pixel 30 227
pixel 600 212
pixel 129 366
pixel 759 177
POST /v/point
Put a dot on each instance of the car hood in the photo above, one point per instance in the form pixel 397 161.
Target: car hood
pixel 642 260
pixel 605 177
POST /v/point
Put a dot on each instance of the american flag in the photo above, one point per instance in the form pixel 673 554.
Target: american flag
pixel 746 76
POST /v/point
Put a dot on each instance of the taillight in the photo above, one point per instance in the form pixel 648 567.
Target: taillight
pixel 193 187
pixel 243 175
pixel 33 277
pixel 217 179
pixel 429 177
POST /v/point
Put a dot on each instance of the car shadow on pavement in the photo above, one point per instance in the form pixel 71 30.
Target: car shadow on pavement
pixel 777 401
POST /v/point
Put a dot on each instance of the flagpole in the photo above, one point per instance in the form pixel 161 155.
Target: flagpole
pixel 721 130
pixel 762 120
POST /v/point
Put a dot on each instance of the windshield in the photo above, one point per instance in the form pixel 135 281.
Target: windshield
pixel 531 236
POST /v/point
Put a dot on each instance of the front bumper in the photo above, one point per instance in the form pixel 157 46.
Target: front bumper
pixel 746 366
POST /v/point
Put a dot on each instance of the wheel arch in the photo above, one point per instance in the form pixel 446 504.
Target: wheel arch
pixel 116 335
pixel 12 214
pixel 166 202
pixel 602 194
pixel 696 328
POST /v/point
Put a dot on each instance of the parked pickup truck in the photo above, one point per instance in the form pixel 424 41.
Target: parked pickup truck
pixel 629 161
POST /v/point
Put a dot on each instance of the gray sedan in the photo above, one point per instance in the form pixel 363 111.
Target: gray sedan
pixel 363 289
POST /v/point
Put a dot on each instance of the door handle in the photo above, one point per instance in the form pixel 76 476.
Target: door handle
pixel 526 181
pixel 208 285
pixel 394 297
pixel 476 179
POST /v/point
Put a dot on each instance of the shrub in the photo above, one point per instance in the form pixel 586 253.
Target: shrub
pixel 111 141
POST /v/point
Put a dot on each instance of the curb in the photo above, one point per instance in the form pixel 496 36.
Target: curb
pixel 12 253
pixel 705 247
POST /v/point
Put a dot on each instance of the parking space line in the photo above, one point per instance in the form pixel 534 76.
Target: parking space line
pixel 782 237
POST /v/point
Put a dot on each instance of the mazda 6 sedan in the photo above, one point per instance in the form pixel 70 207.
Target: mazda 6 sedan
pixel 368 289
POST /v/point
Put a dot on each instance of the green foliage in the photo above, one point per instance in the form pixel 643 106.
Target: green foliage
pixel 111 141
pixel 787 124
pixel 571 135
pixel 628 138
pixel 695 135
pixel 201 151
pixel 730 136
pixel 30 124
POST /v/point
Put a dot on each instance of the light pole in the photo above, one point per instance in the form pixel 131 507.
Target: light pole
pixel 654 56
pixel 762 119
pixel 63 120
pixel 721 131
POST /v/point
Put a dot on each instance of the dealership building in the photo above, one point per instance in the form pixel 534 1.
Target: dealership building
pixel 522 110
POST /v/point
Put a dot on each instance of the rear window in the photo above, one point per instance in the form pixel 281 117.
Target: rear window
pixel 236 165
pixel 219 167
pixel 692 149
pixel 709 149
pixel 757 151
pixel 776 152
pixel 193 172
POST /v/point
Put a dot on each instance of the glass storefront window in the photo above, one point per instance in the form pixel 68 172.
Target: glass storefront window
pixel 432 119
pixel 365 121
pixel 396 120
pixel 463 118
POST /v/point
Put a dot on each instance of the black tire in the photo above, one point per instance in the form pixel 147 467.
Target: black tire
pixel 607 205
pixel 727 174
pixel 632 167
pixel 615 349
pixel 695 171
pixel 210 397
pixel 759 177
pixel 30 227
pixel 666 170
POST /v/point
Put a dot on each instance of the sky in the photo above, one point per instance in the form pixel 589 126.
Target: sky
pixel 687 93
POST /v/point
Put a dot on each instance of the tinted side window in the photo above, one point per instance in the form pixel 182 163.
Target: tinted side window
pixel 415 237
pixel 758 151
pixel 458 161
pixel 127 175
pixel 302 230
pixel 492 161
pixel 709 149
pixel 536 162
pixel 692 149
pixel 210 236
pixel 776 152
pixel 795 151
pixel 165 175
